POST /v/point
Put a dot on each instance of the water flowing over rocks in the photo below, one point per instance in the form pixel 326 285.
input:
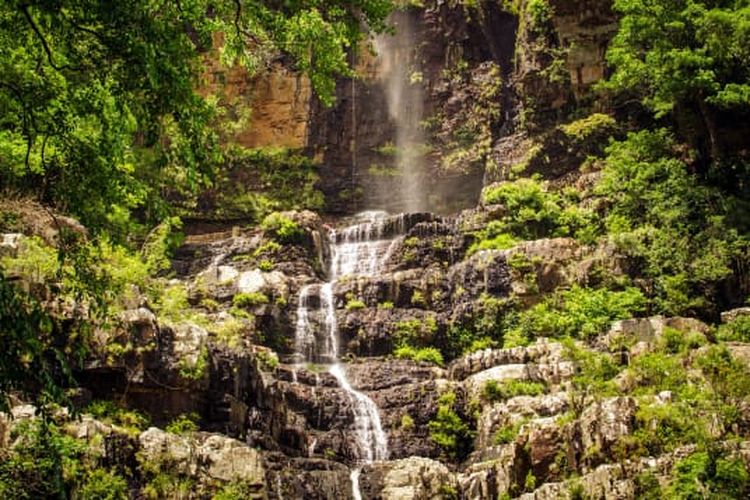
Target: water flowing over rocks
pixel 317 420
pixel 292 370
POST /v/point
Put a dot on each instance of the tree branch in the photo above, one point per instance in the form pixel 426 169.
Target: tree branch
pixel 45 45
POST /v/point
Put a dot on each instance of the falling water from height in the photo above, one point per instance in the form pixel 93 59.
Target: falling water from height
pixel 401 78
pixel 360 249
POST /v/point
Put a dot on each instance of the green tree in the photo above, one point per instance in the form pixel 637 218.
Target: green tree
pixel 99 113
pixel 680 55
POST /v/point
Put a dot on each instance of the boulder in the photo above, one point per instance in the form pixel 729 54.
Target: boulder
pixel 210 457
pixel 603 423
pixel 9 243
pixel 641 334
pixel 415 478
pixel 733 314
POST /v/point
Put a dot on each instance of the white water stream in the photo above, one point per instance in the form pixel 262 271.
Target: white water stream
pixel 360 249
pixel 401 76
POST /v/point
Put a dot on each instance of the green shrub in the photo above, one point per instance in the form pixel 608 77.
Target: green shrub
pixel 509 432
pixel 502 241
pixel 495 391
pixel 448 430
pixel 209 304
pixel 269 247
pixel 183 424
pixel 417 298
pixel 236 490
pixel 249 299
pixel 737 330
pixel 261 180
pixel 685 233
pixel 729 377
pixel 35 261
pixel 110 412
pixel 655 372
pixel 385 305
pixel 595 371
pixel 428 354
pixel 284 229
pixel 480 344
pixel 104 485
pixel 160 244
pixel 709 475
pixel 231 330
pixel 532 212
pixel 580 312
pixel 647 486
pixel 675 341
pixel 195 370
pixel 584 128
pixel 268 360
pixel 412 242
pixel 167 484
pixel 415 332
pixel 407 423
pixel 44 463
pixel 265 265
pixel 529 484
pixel 173 303
pixel 355 305
pixel 662 427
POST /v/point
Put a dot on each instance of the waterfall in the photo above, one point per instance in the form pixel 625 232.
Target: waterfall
pixel 360 249
pixel 401 79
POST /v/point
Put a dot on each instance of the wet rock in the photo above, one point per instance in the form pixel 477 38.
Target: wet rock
pixel 544 443
pixel 189 343
pixel 541 362
pixel 227 459
pixel 484 272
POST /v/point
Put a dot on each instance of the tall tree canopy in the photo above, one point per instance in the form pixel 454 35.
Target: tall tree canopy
pixel 684 56
pixel 98 108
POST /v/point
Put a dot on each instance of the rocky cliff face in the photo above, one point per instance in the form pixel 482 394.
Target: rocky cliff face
pixel 490 78
pixel 602 417
pixel 523 422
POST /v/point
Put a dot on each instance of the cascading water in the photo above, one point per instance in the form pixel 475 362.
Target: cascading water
pixel 401 77
pixel 360 249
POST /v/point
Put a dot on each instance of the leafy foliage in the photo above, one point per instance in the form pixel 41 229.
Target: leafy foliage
pixel 284 229
pixel 736 330
pixel 531 211
pixel 428 354
pixel 99 111
pixel 679 52
pixel 249 299
pixel 448 430
pixel 110 412
pixel 579 312
pixel 183 424
pixel 45 463
pixel 495 391
pixel 708 474
pixel 30 356
pixel 687 235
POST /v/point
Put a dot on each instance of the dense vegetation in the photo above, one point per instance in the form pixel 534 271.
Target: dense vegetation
pixel 104 117
pixel 101 117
